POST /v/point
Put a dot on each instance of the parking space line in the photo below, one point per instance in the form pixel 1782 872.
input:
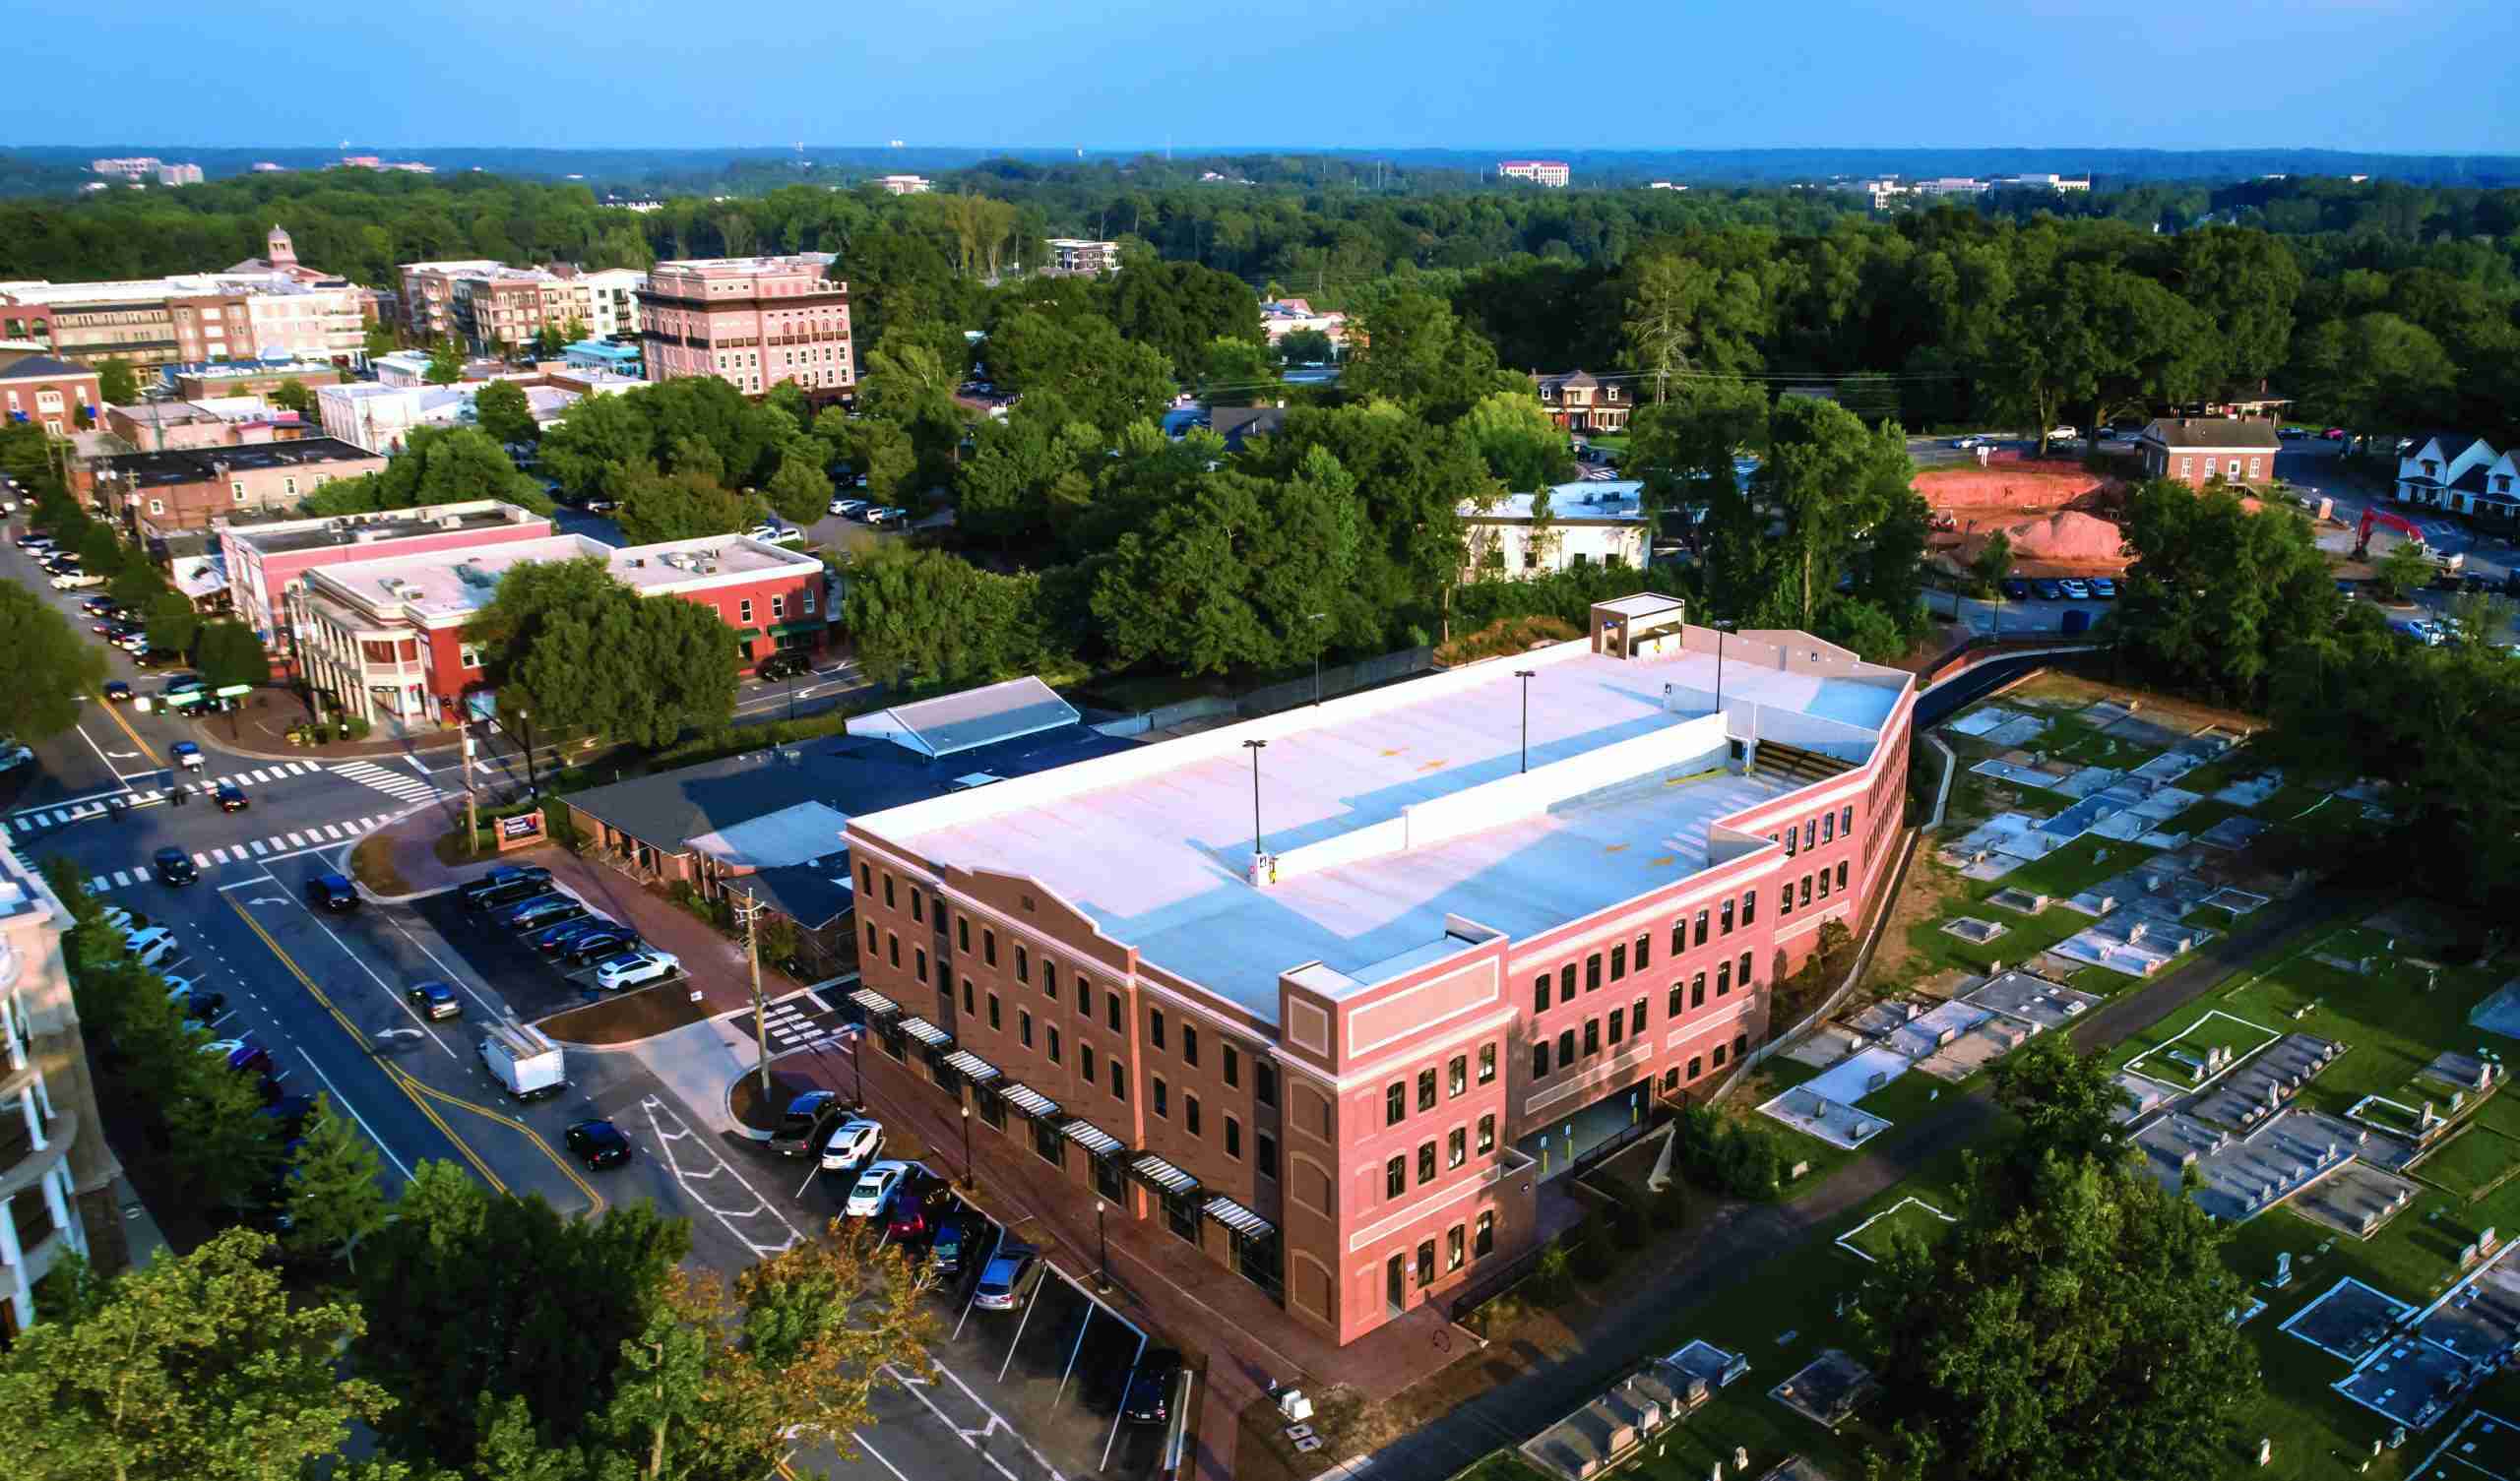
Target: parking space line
pixel 297 840
pixel 653 1105
pixel 860 1437
pixel 1032 1301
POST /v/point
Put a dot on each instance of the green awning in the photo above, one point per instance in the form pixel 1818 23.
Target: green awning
pixel 746 635
pixel 802 625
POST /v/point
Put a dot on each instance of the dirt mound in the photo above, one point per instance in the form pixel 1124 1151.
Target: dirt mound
pixel 2025 487
pixel 2069 543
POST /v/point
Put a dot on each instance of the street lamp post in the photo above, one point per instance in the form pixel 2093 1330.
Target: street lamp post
pixel 969 1180
pixel 533 784
pixel 1102 1248
pixel 1526 675
pixel 1255 747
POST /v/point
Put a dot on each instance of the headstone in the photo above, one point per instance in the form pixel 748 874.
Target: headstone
pixel 2397 1437
pixel 1716 1475
pixel 2487 1241
pixel 2283 1269
pixel 2265 1450
pixel 1741 1458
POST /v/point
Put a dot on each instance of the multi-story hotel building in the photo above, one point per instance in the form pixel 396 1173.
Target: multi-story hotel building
pixel 752 322
pixel 1328 994
pixel 53 1156
pixel 489 307
pixel 264 307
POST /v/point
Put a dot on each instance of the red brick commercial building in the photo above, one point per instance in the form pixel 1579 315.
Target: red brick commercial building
pixel 186 488
pixel 46 391
pixel 752 322
pixel 1487 921
pixel 264 559
pixel 384 639
pixel 2197 449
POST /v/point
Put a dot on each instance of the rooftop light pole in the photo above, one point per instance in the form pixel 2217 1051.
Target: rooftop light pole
pixel 1526 675
pixel 1255 747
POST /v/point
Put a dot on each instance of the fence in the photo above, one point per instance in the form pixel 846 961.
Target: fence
pixel 1347 678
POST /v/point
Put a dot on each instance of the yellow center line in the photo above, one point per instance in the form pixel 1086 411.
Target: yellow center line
pixel 147 748
pixel 416 1091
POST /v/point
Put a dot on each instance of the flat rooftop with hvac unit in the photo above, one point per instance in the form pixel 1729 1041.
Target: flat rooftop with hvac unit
pixel 1405 882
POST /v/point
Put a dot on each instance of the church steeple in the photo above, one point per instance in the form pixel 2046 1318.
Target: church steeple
pixel 279 250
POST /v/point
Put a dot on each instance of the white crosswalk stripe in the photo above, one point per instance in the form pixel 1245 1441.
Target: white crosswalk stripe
pixel 121 878
pixel 259 849
pixel 315 836
pixel 400 785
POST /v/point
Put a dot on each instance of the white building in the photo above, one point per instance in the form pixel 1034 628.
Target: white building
pixel 1280 316
pixel 1081 256
pixel 2061 184
pixel 1588 525
pixel 1553 174
pixel 53 1153
pixel 380 418
pixel 1951 185
pixel 607 299
pixel 906 185
pixel 2461 473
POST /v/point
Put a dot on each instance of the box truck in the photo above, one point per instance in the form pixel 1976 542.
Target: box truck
pixel 522 1060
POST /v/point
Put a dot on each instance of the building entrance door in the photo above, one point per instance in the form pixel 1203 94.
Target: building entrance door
pixel 1395 1283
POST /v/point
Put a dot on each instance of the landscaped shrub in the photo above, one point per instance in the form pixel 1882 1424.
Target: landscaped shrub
pixel 1730 1154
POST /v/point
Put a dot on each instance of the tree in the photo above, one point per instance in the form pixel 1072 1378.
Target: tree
pixel 1414 352
pixel 2482 619
pixel 229 654
pixel 659 505
pixel 117 385
pixel 335 1197
pixel 379 339
pixel 1237 371
pixel 437 466
pixel 1993 563
pixel 446 363
pixel 1686 453
pixel 924 617
pixel 2067 1105
pixel 171 622
pixel 502 410
pixel 2216 593
pixel 194 1366
pixel 291 395
pixel 1523 449
pixel 585 655
pixel 233 1150
pixel 1306 346
pixel 1082 359
pixel 2402 569
pixel 548 343
pixel 2377 370
pixel 52 666
pixel 799 492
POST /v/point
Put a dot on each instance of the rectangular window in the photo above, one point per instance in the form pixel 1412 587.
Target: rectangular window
pixel 1111 1010
pixel 1119 1084
pixel 1618 1025
pixel 1793 842
pixel 1842 867
pixel 1592 971
pixel 1487 1064
pixel 1264 1154
pixel 893 948
pixel 1591 1036
pixel 1828 828
pixel 887 892
pixel 1539 1060
pixel 1452 1247
pixel 1425 1163
pixel 1485 1242
pixel 1696 1067
pixel 962 933
pixel 1154 1026
pixel 1680 937
pixel 1540 993
pixel 1486 1135
pixel 1023 963
pixel 1566 1048
pixel 988 947
pixel 1190 1114
pixel 918 954
pixel 1457 1075
pixel 1190 1043
pixel 1718 1056
pixel 1457 1147
pixel 967 995
pixel 992 1012
pixel 1024 1025
pixel 1618 962
pixel 1806 891
pixel 1674 1010
pixel 1697 991
pixel 1722 978
pixel 1750 909
pixel 1723 925
pixel 1824 884
pixel 1085 999
pixel 1701 929
pixel 1263 1084
pixel 1566 983
pixel 1085 1061
pixel 1426 1090
pixel 1050 980
pixel 746 610
pixel 778 607
pixel 870 938
pixel 1233 1139
pixel 1395 1103
pixel 1636 1017
pixel 1644 952
pixel 1233 1065
pixel 1743 976
pixel 1395 1177
pixel 1784 899
pixel 1052 1029
pixel 1162 1095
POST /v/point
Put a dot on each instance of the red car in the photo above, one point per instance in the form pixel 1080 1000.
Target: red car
pixel 907 1218
pixel 2334 434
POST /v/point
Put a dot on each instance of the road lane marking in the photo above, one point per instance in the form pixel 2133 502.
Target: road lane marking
pixel 259 849
pixel 115 715
pixel 343 1102
pixel 121 878
pixel 654 1106
pixel 100 752
pixel 297 840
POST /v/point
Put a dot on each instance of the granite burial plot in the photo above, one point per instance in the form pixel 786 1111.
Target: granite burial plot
pixel 1975 1050
pixel 2019 900
pixel 2014 734
pixel 1935 1027
pixel 2357 1199
pixel 2499 1012
pixel 2138 940
pixel 2018 776
pixel 2090 781
pixel 2263 1083
pixel 2350 1320
pixel 2484 1447
pixel 1978 722
pixel 2252 791
pixel 2144 734
pixel 2480 1319
pixel 2245 1176
pixel 1707 1362
pixel 1974 931
pixel 1828 1389
pixel 1837 1124
pixel 2232 834
pixel 2413 1382
pixel 2033 999
pixel 2142 1097
pixel 2467 1072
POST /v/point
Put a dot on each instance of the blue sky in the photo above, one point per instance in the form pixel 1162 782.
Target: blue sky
pixel 2425 76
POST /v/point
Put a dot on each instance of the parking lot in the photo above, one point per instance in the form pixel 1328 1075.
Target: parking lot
pixel 535 986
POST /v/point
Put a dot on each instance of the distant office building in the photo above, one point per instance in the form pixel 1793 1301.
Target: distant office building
pixel 2061 184
pixel 152 493
pixel 179 174
pixel 1666 185
pixel 906 185
pixel 752 322
pixel 1951 185
pixel 373 161
pixel 1553 174
pixel 1077 257
pixel 138 168
pixel 491 307
pixel 1590 523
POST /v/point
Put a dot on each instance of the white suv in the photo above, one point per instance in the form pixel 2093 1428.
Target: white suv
pixel 851 1144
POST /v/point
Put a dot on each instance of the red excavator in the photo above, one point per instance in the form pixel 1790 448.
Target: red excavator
pixel 2377 516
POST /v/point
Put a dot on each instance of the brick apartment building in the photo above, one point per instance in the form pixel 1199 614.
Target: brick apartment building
pixel 46 390
pixel 152 493
pixel 385 640
pixel 2199 450
pixel 489 307
pixel 1080 257
pixel 263 559
pixel 57 1168
pixel 1465 948
pixel 271 306
pixel 752 322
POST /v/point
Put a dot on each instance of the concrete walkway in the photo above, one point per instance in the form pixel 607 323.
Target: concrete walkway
pixel 1736 1244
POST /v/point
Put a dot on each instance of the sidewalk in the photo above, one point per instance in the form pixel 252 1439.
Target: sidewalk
pixel 1249 1341
pixel 261 732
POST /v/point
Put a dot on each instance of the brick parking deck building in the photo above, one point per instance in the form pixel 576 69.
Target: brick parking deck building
pixel 1336 1063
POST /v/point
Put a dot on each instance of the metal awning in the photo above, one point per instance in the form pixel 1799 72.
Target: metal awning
pixel 802 625
pixel 971 1068
pixel 1028 1101
pixel 926 1033
pixel 1096 1140
pixel 878 1006
pixel 1164 1175
pixel 1240 1220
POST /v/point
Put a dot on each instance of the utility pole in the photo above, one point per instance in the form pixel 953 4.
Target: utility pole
pixel 472 799
pixel 749 911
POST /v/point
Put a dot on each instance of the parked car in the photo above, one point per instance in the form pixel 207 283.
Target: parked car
pixel 198 1006
pixel 435 1000
pixel 2333 434
pixel 906 1218
pixel 174 866
pixel 807 1117
pixel 117 691
pixel 232 797
pixel 76 581
pixel 787 664
pixel 850 508
pixel 890 513
pixel 601 942
pixel 874 1189
pixel 631 968
pixel 2075 589
pixel 598 1145
pixel 2103 589
pixel 187 754
pixel 553 939
pixel 332 892
pixel 241 1054
pixel 491 888
pixel 2062 434
pixel 1149 1400
pixel 853 1145
pixel 149 944
pixel 547 909
pixel 951 1246
pixel 2048 591
pixel 2015 589
pixel 1009 1276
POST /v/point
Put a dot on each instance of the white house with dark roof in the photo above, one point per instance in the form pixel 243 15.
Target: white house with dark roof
pixel 1581 402
pixel 2454 470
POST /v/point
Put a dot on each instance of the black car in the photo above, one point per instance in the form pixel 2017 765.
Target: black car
pixel 1150 1396
pixel 117 691
pixel 332 891
pixel 601 942
pixel 174 866
pixel 808 1118
pixel 202 1005
pixel 506 893
pixel 784 665
pixel 552 939
pixel 598 1145
pixel 232 797
pixel 542 911
pixel 476 893
pixel 2016 590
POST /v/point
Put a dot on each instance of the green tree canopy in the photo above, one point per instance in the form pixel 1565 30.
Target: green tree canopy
pixel 1523 448
pixel 195 1367
pixel 335 1196
pixel 502 410
pixel 2216 592
pixel 446 363
pixel 1417 352
pixel 436 465
pixel 291 395
pixel 659 505
pixel 922 617
pixel 54 666
pixel 587 656
pixel 117 385
pixel 228 653
pixel 799 490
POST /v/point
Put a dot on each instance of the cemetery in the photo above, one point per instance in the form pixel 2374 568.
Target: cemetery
pixel 2204 1050
pixel 2349 1320
pixel 1638 1412
pixel 2482 1447
pixel 1828 1389
pixel 1870 1240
